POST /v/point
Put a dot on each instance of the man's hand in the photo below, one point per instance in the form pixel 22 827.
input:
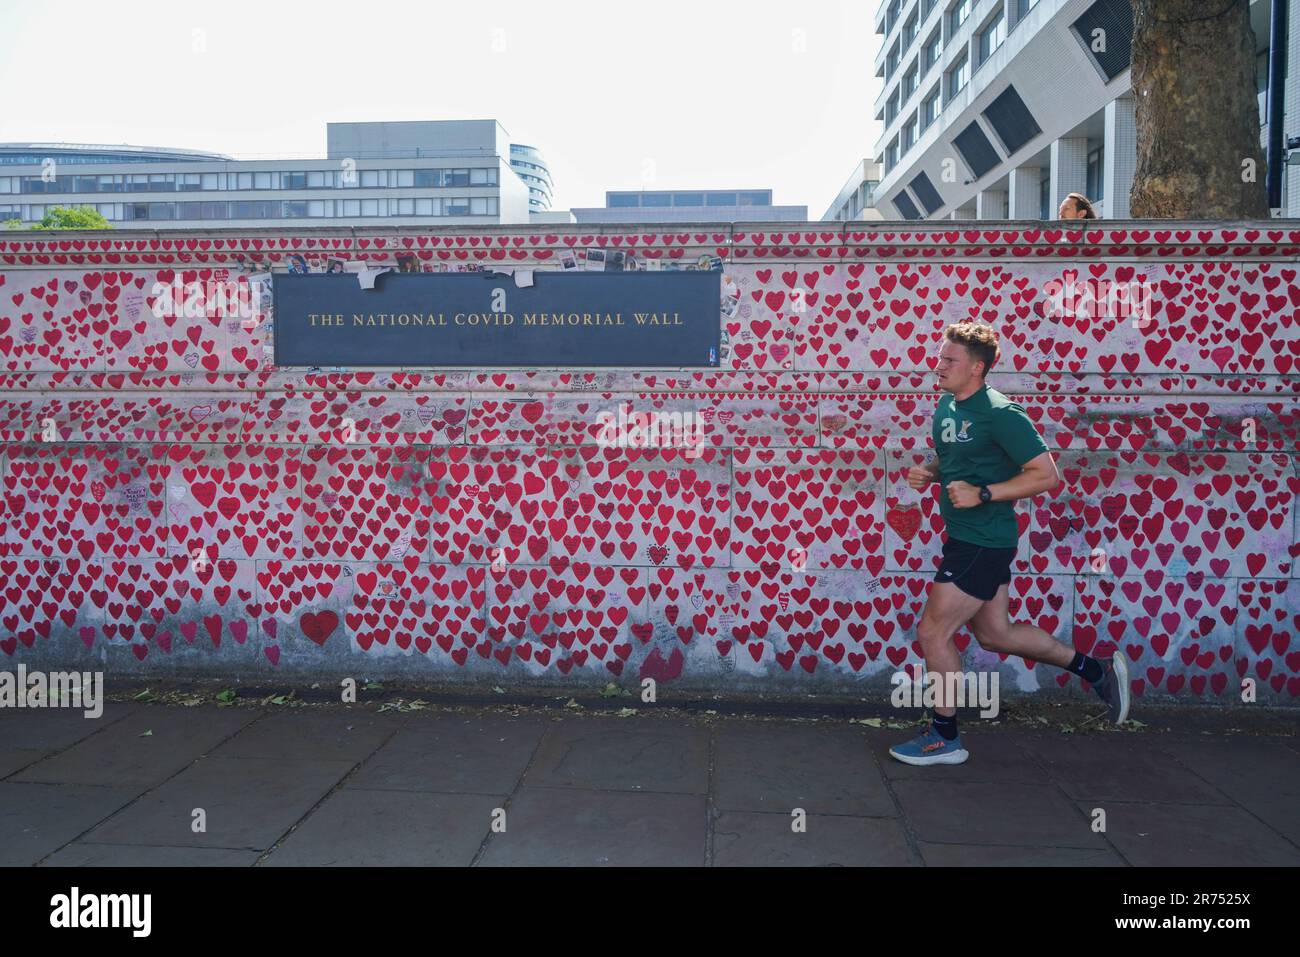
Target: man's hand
pixel 918 477
pixel 963 494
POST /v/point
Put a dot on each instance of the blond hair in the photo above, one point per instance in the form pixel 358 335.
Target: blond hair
pixel 981 341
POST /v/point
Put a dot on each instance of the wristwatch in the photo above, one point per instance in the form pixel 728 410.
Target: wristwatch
pixel 985 494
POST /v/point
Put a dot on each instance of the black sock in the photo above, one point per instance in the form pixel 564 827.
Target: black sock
pixel 1089 669
pixel 946 725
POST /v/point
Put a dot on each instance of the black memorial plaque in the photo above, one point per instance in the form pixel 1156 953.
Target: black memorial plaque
pixel 633 319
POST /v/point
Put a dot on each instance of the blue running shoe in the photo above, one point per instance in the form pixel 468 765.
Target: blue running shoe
pixel 930 747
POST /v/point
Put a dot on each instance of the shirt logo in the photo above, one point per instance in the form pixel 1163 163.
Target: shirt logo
pixel 950 433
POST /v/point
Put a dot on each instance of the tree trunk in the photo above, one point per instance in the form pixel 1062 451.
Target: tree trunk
pixel 1196 112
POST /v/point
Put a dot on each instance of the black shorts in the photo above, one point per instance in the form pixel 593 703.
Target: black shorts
pixel 976 570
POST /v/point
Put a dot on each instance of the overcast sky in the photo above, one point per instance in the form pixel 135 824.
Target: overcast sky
pixel 662 94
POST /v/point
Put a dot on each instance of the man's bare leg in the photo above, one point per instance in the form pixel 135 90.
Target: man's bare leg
pixel 947 609
pixel 994 631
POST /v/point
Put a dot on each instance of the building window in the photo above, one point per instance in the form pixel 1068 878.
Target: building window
pixel 1045 196
pixel 930 53
pixel 891 62
pixel 688 199
pixel 891 15
pixel 909 133
pixel 957 16
pixel 930 108
pixel 909 84
pixel 909 31
pixel 1096 170
pixel 891 155
pixel 991 36
pixel 958 74
pixel 891 108
pixel 1023 7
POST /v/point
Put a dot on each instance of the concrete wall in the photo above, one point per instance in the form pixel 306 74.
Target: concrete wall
pixel 374 558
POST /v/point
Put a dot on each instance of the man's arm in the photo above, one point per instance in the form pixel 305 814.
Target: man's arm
pixel 1038 475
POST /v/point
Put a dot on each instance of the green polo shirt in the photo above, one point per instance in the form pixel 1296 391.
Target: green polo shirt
pixel 983 440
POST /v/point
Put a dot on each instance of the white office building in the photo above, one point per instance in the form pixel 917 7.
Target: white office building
pixel 997 109
pixel 440 172
pixel 857 197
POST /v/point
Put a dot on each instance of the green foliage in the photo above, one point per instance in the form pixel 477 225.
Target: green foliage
pixel 66 217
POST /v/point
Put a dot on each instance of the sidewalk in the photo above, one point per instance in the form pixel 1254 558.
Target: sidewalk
pixel 334 784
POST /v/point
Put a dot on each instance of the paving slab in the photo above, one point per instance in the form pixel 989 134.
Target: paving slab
pixel 623 754
pixel 951 812
pixel 361 828
pixel 1113 767
pixel 345 785
pixel 13 760
pixel 1190 835
pixel 53 729
pixel 779 766
pixel 38 819
pixel 299 735
pixel 83 854
pixel 562 827
pixel 249 803
pixel 122 754
pixel 746 839
pixel 454 752
pixel 1262 774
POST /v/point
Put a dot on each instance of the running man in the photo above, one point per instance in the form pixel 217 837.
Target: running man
pixel 989 454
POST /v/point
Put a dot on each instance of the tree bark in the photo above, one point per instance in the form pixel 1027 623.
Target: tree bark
pixel 1196 112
